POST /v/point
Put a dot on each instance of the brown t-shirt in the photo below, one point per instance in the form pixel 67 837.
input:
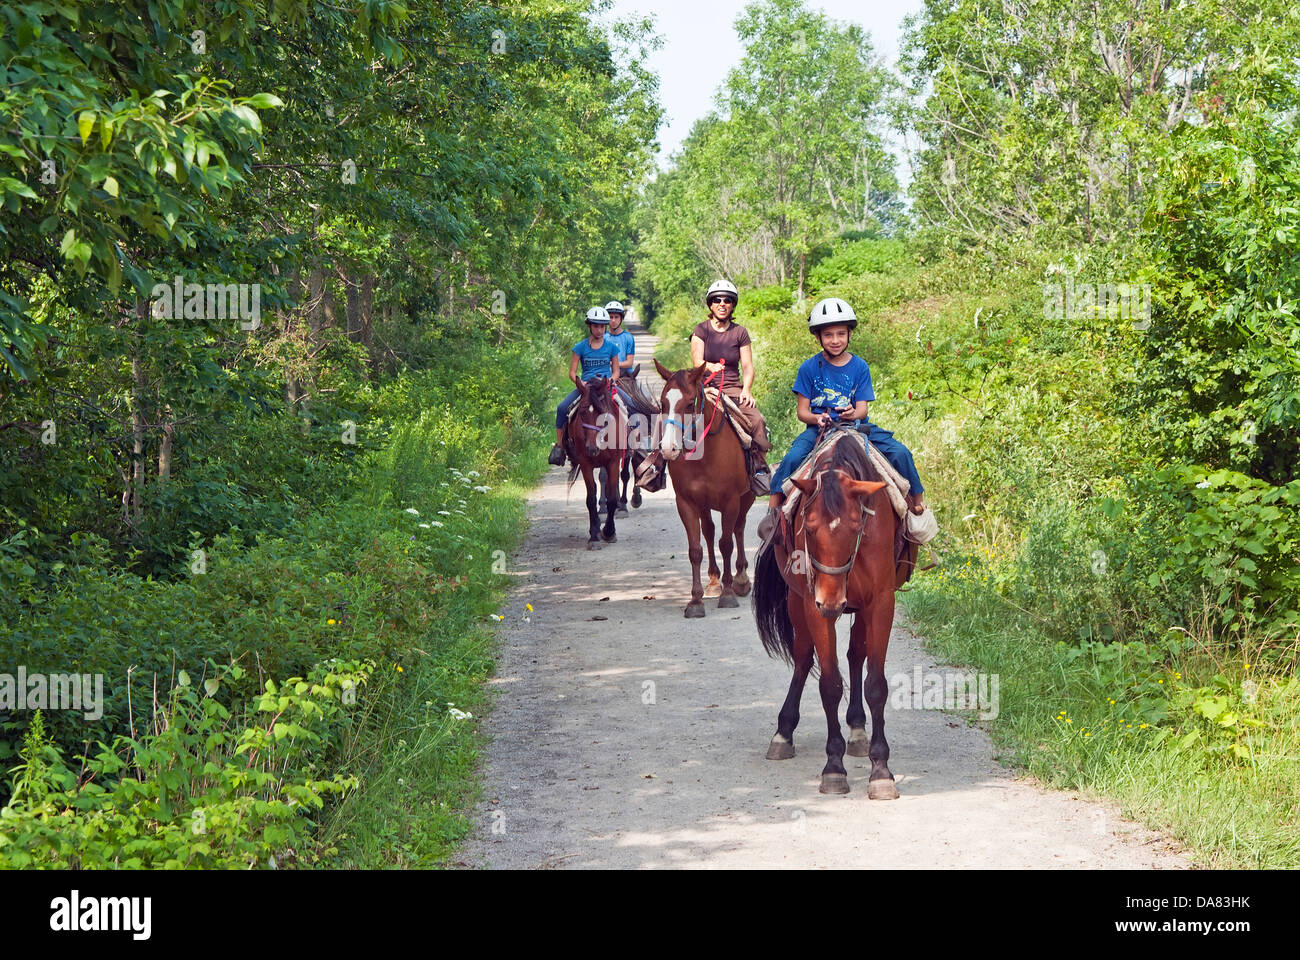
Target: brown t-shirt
pixel 724 346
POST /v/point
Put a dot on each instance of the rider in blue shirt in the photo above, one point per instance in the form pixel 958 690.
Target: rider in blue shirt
pixel 597 356
pixel 835 385
pixel 621 337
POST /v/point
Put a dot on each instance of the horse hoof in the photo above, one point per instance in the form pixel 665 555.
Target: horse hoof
pixel 621 512
pixel 882 790
pixel 694 610
pixel 593 545
pixel 780 750
pixel 609 539
pixel 859 745
pixel 713 589
pixel 834 783
pixel 741 586
pixel 636 501
pixel 728 600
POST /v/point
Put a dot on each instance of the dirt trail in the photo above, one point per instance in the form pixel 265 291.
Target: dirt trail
pixel 627 736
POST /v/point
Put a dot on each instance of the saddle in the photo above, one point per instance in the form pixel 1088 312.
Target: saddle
pixel 909 534
pixel 731 412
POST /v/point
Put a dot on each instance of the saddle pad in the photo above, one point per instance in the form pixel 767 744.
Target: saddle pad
pixel 732 412
pixel 896 486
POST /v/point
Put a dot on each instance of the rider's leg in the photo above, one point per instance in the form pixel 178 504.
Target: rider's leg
pixel 799 450
pixel 901 459
pixel 556 457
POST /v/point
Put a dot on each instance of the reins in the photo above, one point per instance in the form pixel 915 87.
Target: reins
pixel 813 562
pixel 720 374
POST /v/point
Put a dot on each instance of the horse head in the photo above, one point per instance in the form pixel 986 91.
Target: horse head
pixel 595 400
pixel 834 514
pixel 681 394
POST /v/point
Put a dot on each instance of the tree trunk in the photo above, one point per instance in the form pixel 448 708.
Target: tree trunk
pixel 367 312
pixel 352 291
pixel 316 299
pixel 165 450
pixel 137 414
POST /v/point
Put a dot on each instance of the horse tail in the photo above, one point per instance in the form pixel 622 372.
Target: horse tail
pixel 770 611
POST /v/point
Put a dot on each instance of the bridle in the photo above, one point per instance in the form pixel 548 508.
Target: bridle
pixel 699 409
pixel 813 562
pixel 613 412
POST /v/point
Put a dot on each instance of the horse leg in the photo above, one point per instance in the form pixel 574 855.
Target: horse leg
pixel 741 582
pixel 624 476
pixel 725 543
pixel 857 716
pixel 690 515
pixel 593 538
pixel 782 745
pixel 835 779
pixel 881 786
pixel 714 589
pixel 636 490
pixel 611 504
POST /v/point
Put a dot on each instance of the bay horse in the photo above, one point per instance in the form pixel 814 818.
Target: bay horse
pixel 709 476
pixel 639 403
pixel 594 434
pixel 836 556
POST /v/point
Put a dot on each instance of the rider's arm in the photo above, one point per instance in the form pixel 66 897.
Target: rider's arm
pixel 746 367
pixel 573 368
pixel 628 362
pixel 697 356
pixel 807 416
pixel 859 412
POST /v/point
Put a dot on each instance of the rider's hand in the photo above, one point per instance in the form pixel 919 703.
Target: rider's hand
pixel 746 398
pixel 846 413
pixel 823 419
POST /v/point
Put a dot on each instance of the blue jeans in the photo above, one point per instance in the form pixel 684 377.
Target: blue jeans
pixel 883 440
pixel 562 411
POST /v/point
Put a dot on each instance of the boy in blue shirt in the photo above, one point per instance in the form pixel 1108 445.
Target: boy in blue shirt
pixel 836 385
pixel 621 337
pixel 597 356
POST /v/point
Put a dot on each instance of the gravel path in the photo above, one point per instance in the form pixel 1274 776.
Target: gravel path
pixel 627 736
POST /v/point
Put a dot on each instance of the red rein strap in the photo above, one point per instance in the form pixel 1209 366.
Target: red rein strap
pixel 720 375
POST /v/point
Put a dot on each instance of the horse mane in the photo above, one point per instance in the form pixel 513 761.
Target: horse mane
pixel 641 401
pixel 849 455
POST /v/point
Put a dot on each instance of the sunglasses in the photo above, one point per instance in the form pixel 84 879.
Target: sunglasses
pixel 722 300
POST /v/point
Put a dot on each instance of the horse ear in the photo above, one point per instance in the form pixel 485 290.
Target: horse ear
pixel 584 389
pixel 864 488
pixel 664 372
pixel 806 484
pixel 697 374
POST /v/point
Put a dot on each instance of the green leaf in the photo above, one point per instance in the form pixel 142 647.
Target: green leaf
pixel 110 186
pixel 85 123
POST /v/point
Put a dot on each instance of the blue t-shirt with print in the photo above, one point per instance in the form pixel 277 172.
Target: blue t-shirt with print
pixel 596 361
pixel 827 386
pixel 625 342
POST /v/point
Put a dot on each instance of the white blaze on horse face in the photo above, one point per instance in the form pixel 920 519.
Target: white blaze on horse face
pixel 835 523
pixel 671 444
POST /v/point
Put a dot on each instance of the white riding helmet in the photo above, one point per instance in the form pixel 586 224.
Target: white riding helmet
pixel 615 307
pixel 598 315
pixel 830 311
pixel 721 286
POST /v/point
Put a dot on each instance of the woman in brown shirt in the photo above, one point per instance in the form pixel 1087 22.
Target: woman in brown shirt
pixel 722 344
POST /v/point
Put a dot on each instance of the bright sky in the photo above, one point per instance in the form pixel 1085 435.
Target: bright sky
pixel 700 46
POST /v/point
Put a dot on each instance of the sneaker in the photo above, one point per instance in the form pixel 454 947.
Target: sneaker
pixel 556 459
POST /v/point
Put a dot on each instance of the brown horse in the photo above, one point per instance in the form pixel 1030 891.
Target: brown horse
pixel 837 556
pixel 594 440
pixel 707 476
